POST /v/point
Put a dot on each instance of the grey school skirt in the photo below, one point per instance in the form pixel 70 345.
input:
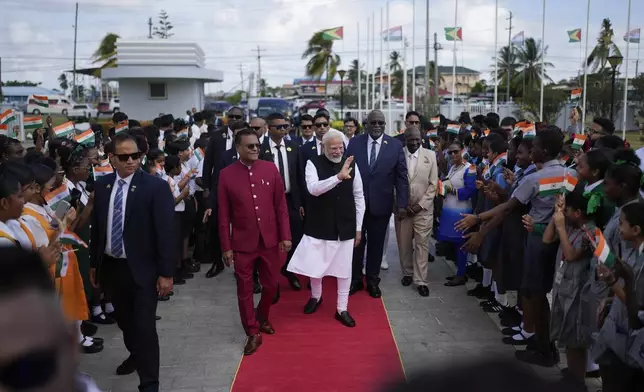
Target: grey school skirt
pixel 539 262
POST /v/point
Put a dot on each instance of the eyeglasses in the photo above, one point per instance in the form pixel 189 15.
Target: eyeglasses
pixel 454 152
pixel 235 116
pixel 321 125
pixel 253 146
pixel 126 157
pixel 380 123
pixel 31 370
pixel 414 122
pixel 306 126
pixel 281 126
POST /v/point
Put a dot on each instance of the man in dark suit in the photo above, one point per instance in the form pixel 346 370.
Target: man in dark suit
pixel 382 164
pixel 412 120
pixel 314 147
pixel 135 249
pixel 285 154
pixel 306 130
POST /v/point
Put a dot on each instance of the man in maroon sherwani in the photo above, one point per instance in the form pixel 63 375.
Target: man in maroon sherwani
pixel 253 228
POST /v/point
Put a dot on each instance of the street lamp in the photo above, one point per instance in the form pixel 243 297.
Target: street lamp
pixel 342 73
pixel 615 59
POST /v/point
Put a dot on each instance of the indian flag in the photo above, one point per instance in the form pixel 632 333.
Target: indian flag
pixel 436 121
pixel 440 188
pixel 472 170
pixel 550 186
pixel 70 238
pixel 453 129
pixel 62 265
pixel 32 122
pixel 432 145
pixel 104 162
pixel 602 250
pixel 7 116
pixel 56 196
pixel 4 130
pixel 454 33
pixel 433 134
pixel 200 154
pixel 529 132
pixel 570 182
pixel 86 138
pixel 575 94
pixel 41 100
pixel 120 127
pixel 64 129
pixel 100 171
pixel 578 141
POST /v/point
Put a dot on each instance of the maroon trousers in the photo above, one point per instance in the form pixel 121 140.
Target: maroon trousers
pixel 267 261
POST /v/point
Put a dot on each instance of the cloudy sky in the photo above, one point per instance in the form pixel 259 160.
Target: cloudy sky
pixel 37 36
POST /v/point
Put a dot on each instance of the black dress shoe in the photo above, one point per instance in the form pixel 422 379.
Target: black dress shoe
pixel 215 270
pixel 178 281
pixel 479 292
pixel 423 291
pixel 163 298
pixel 430 258
pixel 345 318
pixel 93 348
pixel 355 287
pixel 257 288
pixel 276 298
pixel 407 281
pixel 127 367
pixel 292 280
pixel 458 281
pixel 374 291
pixel 103 318
pixel 312 305
pixel 187 275
pixel 537 358
pixel 157 318
pixel 88 329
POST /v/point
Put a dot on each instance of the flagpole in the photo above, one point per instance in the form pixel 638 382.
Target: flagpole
pixel 451 108
pixel 583 104
pixel 373 60
pixel 382 27
pixel 359 76
pixel 496 62
pixel 628 42
pixel 366 95
pixel 413 57
pixel 404 47
pixel 389 121
pixel 543 55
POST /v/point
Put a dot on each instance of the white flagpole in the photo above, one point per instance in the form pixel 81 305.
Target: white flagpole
pixel 496 62
pixel 382 27
pixel 543 55
pixel 452 108
pixel 373 60
pixel 404 47
pixel 628 41
pixel 413 57
pixel 359 76
pixel 389 121
pixel 366 95
pixel 583 103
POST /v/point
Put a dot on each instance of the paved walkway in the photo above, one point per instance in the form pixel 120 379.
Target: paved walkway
pixel 201 337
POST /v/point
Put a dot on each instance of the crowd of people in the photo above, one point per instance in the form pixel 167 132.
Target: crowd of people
pixel 123 217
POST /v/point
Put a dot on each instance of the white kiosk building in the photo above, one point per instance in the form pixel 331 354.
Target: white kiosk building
pixel 160 76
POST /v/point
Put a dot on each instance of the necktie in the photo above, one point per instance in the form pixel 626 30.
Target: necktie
pixel 117 222
pixel 411 165
pixel 372 155
pixel 280 163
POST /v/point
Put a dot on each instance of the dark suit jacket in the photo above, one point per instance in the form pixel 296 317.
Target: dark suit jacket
pixel 294 167
pixel 308 151
pixel 239 193
pixel 149 234
pixel 216 147
pixel 389 172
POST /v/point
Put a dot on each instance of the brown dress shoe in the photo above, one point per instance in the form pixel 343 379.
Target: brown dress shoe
pixel 252 344
pixel 267 328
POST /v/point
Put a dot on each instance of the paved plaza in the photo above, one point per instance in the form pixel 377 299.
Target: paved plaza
pixel 201 336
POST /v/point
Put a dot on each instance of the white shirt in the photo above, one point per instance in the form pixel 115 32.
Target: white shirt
pixel 378 145
pixel 196 133
pixel 318 146
pixel 9 231
pixel 39 232
pixel 174 187
pixel 412 162
pixel 281 150
pixel 261 139
pixel 229 140
pixel 317 188
pixel 110 212
pixel 193 163
pixel 305 140
pixel 640 154
pixel 588 188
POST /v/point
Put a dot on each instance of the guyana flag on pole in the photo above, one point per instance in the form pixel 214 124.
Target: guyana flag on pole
pixel 574 35
pixel 454 33
pixel 333 34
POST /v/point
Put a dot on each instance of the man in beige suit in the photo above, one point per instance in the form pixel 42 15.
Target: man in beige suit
pixel 413 231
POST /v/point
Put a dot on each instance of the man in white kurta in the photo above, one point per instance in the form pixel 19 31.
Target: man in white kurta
pixel 333 222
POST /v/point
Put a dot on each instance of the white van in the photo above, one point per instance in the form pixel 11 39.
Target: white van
pixel 58 104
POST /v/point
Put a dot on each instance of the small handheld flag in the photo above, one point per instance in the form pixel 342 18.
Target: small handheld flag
pixel 86 138
pixel 453 129
pixel 100 171
pixel 432 134
pixel 440 188
pixel 575 94
pixel 550 186
pixel 64 130
pixel 32 122
pixel 59 194
pixel 578 141
pixel 7 116
pixel 454 33
pixel 602 250
pixel 120 127
pixel 570 182
pixel 41 100
pixel 4 130
pixel 70 238
pixel 62 265
pixel 199 153
pixel 436 121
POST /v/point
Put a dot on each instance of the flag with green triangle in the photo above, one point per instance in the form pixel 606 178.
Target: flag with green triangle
pixel 574 35
pixel 454 33
pixel 333 34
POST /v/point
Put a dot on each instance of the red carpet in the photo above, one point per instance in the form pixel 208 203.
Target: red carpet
pixel 316 353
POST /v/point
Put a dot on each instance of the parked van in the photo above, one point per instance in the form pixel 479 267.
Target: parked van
pixel 58 104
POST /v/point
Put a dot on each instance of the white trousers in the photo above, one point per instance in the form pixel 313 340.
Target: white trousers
pixel 343 292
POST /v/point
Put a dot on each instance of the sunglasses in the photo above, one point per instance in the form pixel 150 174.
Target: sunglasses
pixel 380 123
pixel 321 125
pixel 31 370
pixel 453 152
pixel 281 126
pixel 306 126
pixel 414 122
pixel 234 117
pixel 126 157
pixel 253 146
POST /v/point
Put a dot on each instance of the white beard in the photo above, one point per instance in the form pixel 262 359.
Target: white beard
pixel 332 159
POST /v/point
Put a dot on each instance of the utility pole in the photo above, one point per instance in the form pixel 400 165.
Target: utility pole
pixel 150 28
pixel 241 74
pixel 510 54
pixel 437 47
pixel 75 41
pixel 428 93
pixel 1 96
pixel 259 69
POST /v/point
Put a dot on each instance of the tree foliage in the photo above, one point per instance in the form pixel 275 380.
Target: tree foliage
pixel 598 58
pixel 62 82
pixel 321 58
pixel 163 27
pixel 106 52
pixel 21 83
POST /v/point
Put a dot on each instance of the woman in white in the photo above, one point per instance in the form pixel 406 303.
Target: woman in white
pixel 332 228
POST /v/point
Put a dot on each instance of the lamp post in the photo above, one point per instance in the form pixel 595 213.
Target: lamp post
pixel 342 72
pixel 615 59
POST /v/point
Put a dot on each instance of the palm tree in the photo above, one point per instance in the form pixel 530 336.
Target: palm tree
pixel 605 46
pixel 394 62
pixel 353 72
pixel 528 77
pixel 63 83
pixel 321 58
pixel 106 51
pixel 506 61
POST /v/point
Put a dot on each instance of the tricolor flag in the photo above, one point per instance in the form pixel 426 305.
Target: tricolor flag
pixel 578 141
pixel 529 132
pixel 104 162
pixel 472 170
pixel 550 186
pixel 200 154
pixel 41 100
pixel 501 159
pixel 7 116
pixel 633 36
pixel 440 188
pixel 436 121
pixel 575 94
pixel 120 127
pixel 62 264
pixel 4 130
pixel 432 145
pixel 432 134
pixel 393 34
pixel 56 196
pixel 602 250
pixel 64 129
pixel 100 171
pixel 69 238
pixel 453 129
pixel 32 122
pixel 454 33
pixel 570 182
pixel 333 34
pixel 518 39
pixel 183 133
pixel 86 138
pixel 574 35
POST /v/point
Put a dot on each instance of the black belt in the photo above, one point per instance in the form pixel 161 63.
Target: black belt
pixel 106 257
